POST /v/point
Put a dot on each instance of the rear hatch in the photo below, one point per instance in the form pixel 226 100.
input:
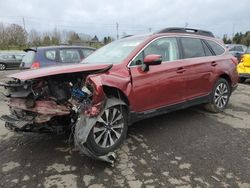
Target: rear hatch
pixel 28 59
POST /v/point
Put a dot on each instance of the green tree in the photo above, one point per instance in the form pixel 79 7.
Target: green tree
pixel 226 40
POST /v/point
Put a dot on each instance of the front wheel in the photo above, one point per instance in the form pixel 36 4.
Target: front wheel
pixel 109 131
pixel 2 66
pixel 220 96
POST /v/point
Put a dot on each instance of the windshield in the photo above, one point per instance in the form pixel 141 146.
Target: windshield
pixel 248 50
pixel 115 52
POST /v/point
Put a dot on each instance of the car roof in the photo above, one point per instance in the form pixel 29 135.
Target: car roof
pixel 156 35
pixel 56 47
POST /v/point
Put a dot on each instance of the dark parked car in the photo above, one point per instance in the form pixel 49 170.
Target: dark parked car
pixel 10 60
pixel 236 50
pixel 54 55
pixel 123 82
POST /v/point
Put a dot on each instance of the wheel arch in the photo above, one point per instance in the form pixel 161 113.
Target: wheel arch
pixel 227 78
pixel 111 91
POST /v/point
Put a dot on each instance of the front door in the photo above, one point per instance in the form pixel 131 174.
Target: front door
pixel 161 85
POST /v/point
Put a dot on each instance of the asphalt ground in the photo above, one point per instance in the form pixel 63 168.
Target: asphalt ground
pixel 186 148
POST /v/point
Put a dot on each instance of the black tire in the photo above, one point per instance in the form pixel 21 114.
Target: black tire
pixel 92 144
pixel 242 80
pixel 2 66
pixel 219 100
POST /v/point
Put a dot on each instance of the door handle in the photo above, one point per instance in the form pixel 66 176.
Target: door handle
pixel 214 63
pixel 180 70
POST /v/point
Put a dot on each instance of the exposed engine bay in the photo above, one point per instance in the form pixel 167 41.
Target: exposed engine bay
pixel 47 104
pixel 58 103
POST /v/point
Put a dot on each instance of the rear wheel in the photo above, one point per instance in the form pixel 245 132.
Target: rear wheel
pixel 220 96
pixel 2 66
pixel 109 132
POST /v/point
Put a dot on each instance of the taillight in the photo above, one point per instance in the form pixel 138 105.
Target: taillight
pixel 35 65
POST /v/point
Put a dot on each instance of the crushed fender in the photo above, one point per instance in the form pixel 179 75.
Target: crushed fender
pixel 83 127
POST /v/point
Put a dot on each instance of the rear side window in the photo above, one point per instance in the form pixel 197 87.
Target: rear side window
pixel 69 55
pixel 192 48
pixel 87 52
pixel 50 54
pixel 218 50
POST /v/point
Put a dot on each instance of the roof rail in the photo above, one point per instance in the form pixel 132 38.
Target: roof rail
pixel 186 30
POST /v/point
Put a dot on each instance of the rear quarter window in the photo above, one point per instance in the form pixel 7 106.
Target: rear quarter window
pixel 218 49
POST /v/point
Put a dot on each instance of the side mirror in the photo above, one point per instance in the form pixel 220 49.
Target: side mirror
pixel 152 59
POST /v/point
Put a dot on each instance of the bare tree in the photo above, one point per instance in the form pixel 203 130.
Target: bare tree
pixel 16 35
pixel 72 37
pixel 34 38
pixel 3 42
pixel 56 37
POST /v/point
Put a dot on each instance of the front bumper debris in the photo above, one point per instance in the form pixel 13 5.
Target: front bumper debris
pixel 15 123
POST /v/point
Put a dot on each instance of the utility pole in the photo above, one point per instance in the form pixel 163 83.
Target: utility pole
pixel 117 31
pixel 233 30
pixel 24 24
pixel 149 29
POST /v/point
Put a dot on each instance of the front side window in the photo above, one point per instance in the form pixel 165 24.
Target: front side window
pixel 50 54
pixel 218 49
pixel 166 47
pixel 192 48
pixel 69 55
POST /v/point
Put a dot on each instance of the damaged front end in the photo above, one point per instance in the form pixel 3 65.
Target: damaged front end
pixel 45 105
pixel 60 103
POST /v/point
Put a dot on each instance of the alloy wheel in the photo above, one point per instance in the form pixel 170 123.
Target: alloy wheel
pixel 109 128
pixel 221 95
pixel 2 66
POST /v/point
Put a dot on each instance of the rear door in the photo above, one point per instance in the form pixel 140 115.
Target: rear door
pixel 198 63
pixel 161 85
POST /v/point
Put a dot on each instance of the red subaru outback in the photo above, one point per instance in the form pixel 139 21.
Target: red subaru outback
pixel 130 79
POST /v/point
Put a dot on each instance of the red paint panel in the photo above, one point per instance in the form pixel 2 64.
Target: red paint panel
pixel 49 71
pixel 41 107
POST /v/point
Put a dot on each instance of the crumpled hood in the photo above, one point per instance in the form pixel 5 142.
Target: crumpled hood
pixel 49 71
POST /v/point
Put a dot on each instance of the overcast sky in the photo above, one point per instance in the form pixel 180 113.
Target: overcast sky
pixel 133 16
